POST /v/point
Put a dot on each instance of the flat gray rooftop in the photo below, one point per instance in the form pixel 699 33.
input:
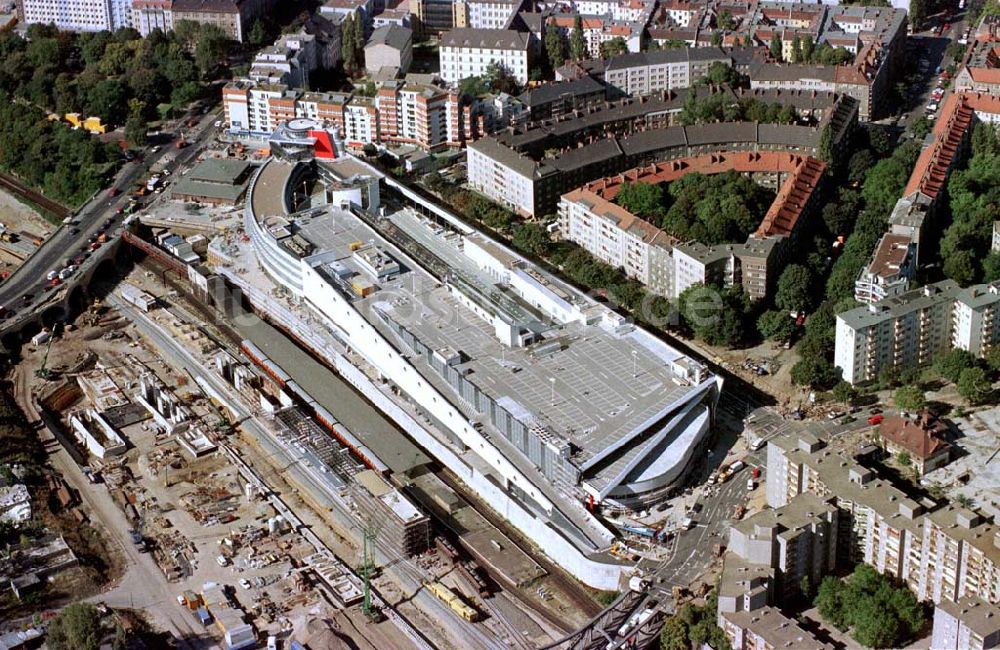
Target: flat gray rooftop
pixel 268 196
pixel 606 384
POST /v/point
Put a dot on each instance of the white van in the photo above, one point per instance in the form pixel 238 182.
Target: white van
pixel 222 560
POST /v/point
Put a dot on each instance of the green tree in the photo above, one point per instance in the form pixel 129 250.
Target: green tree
pixel 808 49
pixel 726 20
pixel 843 392
pixel 951 364
pixel 992 358
pixel 76 627
pixel 717 39
pixel 909 398
pixel 135 125
pixel 577 43
pixel 775 48
pixel 796 49
pixel 903 458
pixel 108 99
pixel 795 291
pixel 973 385
pixel 532 238
pixel 921 128
pixel 641 199
pixel 500 79
pixel 674 635
pixel 473 86
pixel 776 325
pixel 555 49
pixel 817 372
pixel 212 49
pixel 719 73
pixel 347 51
pixel 918 13
pixel 715 315
pixel 830 604
pixel 613 47
pixel 257 35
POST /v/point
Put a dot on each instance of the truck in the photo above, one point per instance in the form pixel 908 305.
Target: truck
pixel 736 466
pixel 635 621
pixel 638 584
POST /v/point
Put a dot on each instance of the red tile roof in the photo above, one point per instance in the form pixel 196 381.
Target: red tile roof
pixel 804 173
pixel 920 436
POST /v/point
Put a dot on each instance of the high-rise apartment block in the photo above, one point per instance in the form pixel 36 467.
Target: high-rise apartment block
pixel 911 329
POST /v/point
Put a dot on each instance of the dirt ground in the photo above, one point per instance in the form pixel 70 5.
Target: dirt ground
pixel 17 216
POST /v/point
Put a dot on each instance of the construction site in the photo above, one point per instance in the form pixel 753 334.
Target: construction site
pixel 263 512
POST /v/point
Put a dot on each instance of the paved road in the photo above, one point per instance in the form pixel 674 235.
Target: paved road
pixel 928 47
pixel 30 277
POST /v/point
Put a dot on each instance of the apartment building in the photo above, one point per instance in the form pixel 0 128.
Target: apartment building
pixel 644 73
pixel 486 14
pixel 890 271
pixel 233 17
pixel 147 15
pixel 976 327
pixel 768 628
pixel 946 554
pixel 511 179
pixel 389 47
pixel 468 52
pixel 980 70
pixel 412 113
pixel 617 237
pixel 612 234
pixel 289 61
pixel 558 155
pixel 904 331
pixel 432 17
pixel 77 15
pixel 878 524
pixel 798 540
pixel 909 330
pixel 969 624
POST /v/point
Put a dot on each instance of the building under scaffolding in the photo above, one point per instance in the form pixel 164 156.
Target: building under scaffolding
pixel 401 527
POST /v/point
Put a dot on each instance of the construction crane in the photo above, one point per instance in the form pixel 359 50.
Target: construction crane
pixel 43 370
pixel 367 570
pixel 224 426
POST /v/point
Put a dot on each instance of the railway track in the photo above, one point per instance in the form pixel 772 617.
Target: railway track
pixel 15 186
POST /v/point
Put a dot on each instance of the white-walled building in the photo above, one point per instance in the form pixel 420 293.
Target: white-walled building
pixel 78 15
pixel 976 327
pixel 507 177
pixel 893 265
pixel 903 331
pixel 909 330
pixel 485 14
pixel 970 624
pixel 469 52
pixel 617 237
